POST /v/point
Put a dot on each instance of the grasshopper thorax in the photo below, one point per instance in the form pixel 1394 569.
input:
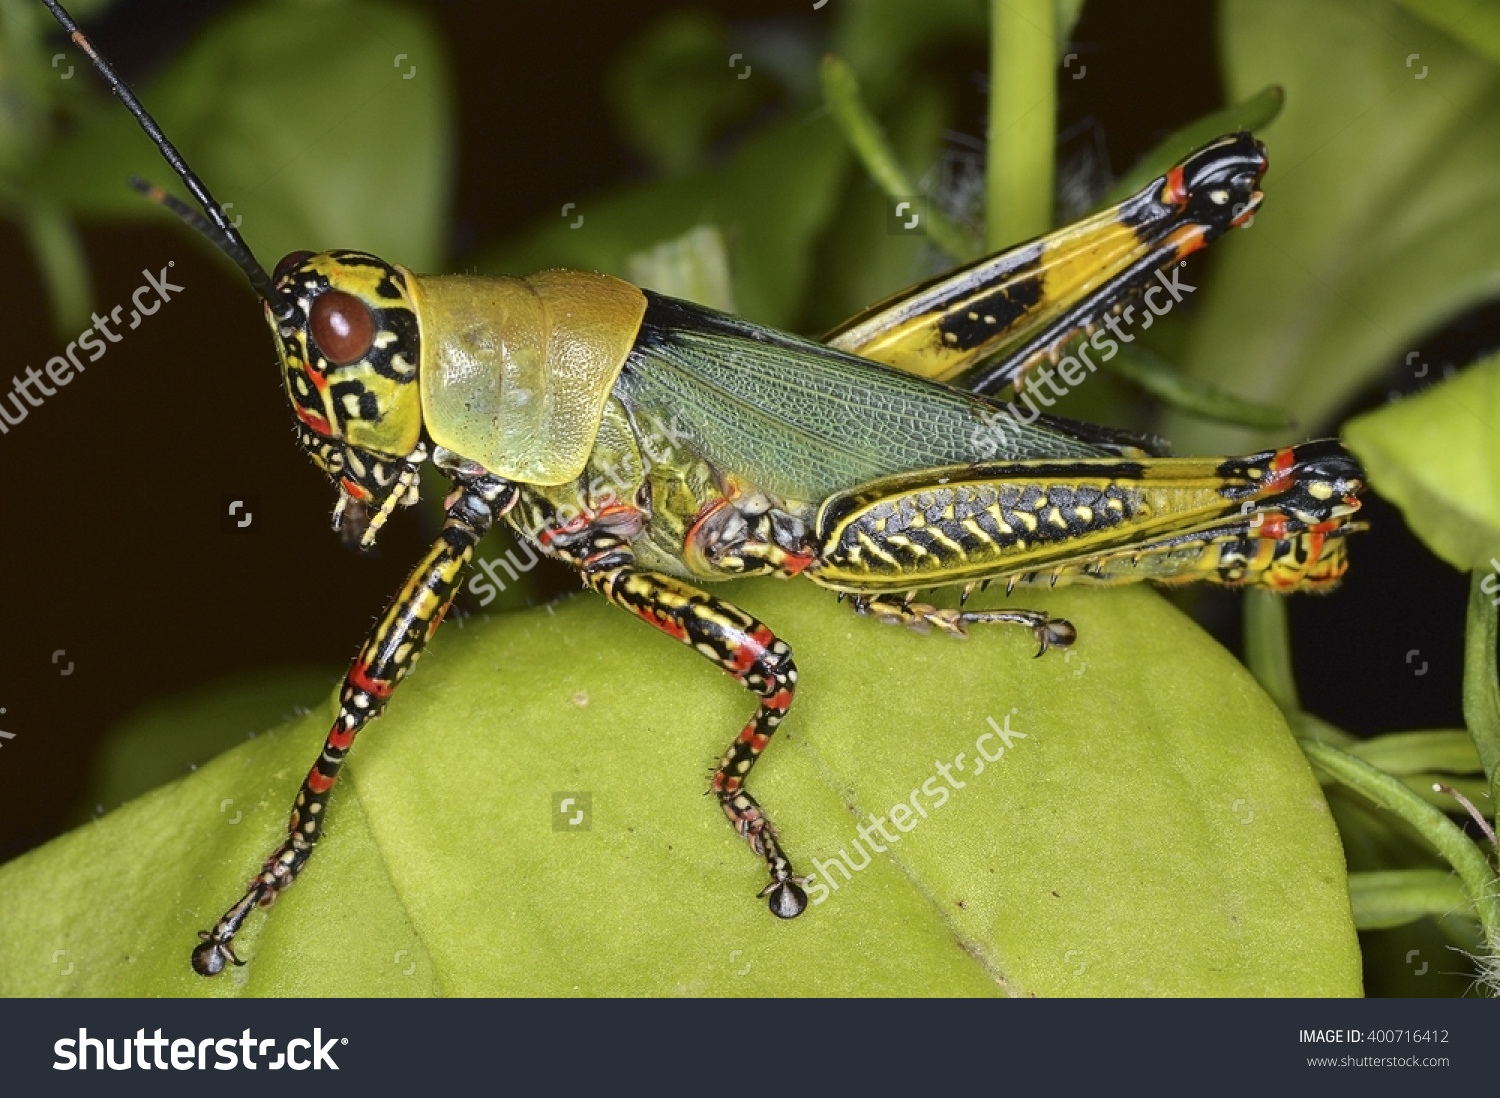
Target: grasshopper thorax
pixel 349 343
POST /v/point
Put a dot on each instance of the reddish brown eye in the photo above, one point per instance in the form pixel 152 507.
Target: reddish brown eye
pixel 289 262
pixel 342 326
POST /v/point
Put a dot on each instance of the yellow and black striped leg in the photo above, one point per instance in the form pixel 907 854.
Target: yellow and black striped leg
pixel 920 616
pixel 386 658
pixel 745 648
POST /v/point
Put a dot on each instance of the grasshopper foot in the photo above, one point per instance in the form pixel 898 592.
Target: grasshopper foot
pixel 786 900
pixel 210 958
pixel 1054 633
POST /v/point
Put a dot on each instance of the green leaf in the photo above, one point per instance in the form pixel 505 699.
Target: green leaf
pixel 1151 829
pixel 886 40
pixel 1475 23
pixel 1155 375
pixel 1437 457
pixel 303 122
pixel 693 267
pixel 1382 213
pixel 672 91
pixel 167 739
pixel 771 201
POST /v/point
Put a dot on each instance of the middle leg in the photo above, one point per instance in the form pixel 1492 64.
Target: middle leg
pixel 745 648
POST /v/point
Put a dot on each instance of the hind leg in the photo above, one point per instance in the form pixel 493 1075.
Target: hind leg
pixel 1049 632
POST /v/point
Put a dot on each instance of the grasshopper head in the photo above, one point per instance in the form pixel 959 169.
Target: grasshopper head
pixel 346 332
pixel 1217 186
pixel 348 339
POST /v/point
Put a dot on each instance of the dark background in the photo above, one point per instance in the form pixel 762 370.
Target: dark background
pixel 111 502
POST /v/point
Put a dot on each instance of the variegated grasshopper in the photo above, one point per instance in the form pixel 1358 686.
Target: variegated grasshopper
pixel 848 462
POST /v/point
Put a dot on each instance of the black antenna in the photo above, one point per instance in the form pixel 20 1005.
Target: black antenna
pixel 217 226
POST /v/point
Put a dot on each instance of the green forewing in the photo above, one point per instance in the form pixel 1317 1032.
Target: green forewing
pixel 804 421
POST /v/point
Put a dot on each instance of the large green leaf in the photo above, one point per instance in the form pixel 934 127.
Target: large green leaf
pixel 1382 211
pixel 1151 829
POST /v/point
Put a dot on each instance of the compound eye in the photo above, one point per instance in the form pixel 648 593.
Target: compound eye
pixel 288 263
pixel 342 326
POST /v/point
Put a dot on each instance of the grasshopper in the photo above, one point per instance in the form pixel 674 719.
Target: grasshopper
pixel 848 462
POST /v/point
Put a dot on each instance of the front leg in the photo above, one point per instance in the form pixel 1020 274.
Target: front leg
pixel 743 647
pixel 386 658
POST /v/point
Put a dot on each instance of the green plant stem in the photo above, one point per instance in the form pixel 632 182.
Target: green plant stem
pixel 1268 648
pixel 1305 725
pixel 842 95
pixel 1023 121
pixel 1388 898
pixel 1448 750
pixel 1481 689
pixel 1467 859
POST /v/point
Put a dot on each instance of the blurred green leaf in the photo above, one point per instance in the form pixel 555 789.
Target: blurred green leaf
pixel 694 267
pixel 674 89
pixel 771 201
pixel 166 740
pixel 885 40
pixel 861 257
pixel 1436 455
pixel 1156 771
pixel 1382 212
pixel 321 124
pixel 1155 375
pixel 1475 23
